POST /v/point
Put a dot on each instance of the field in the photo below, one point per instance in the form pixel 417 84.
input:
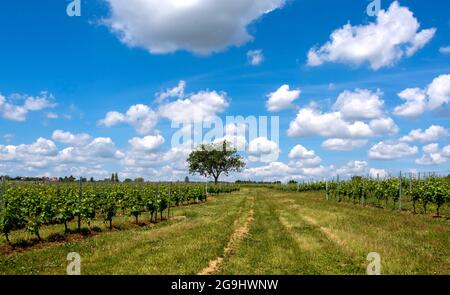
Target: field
pixel 256 230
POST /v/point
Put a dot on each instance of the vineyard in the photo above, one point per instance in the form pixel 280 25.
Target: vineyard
pixel 419 195
pixel 30 206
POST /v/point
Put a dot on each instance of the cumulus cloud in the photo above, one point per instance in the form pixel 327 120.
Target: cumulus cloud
pixel 377 173
pixel 169 163
pixel 302 157
pixel 11 110
pixel 33 155
pixel 98 149
pixel 394 35
pixel 439 92
pixel 177 91
pixel 270 171
pixel 359 104
pixel 197 107
pixel 147 143
pixel 383 126
pixel 282 98
pixel 432 155
pixel 355 115
pixel 415 103
pixel 311 122
pixel 434 97
pixel 263 150
pixel 339 144
pixel 255 57
pixel 391 150
pixel 198 26
pixel 140 116
pixel 69 138
pixel 353 168
pixel 235 133
pixel 433 133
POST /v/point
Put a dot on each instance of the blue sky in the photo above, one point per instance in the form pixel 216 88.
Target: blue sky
pixel 66 73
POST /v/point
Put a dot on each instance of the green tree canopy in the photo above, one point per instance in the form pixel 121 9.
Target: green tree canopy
pixel 215 159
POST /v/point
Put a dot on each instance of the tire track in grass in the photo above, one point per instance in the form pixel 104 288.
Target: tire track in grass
pixel 238 235
pixel 326 251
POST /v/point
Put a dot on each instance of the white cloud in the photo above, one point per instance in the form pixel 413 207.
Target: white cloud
pixel 69 138
pixel 51 115
pixel 300 152
pixel 32 155
pixel 432 155
pixel 255 57
pixel 236 135
pixel 446 151
pixel 301 157
pixel 433 133
pixel 355 115
pixel 140 116
pixel 158 163
pixel 359 104
pixel 353 168
pixel 311 122
pixel 415 104
pixel 383 126
pixel 377 173
pixel 393 36
pixel 199 26
pixel 198 107
pixel 18 112
pixel 435 96
pixel 177 91
pixel 391 150
pixel 263 150
pixel 339 144
pixel 148 143
pixel 8 137
pixel 444 50
pixel 98 150
pixel 282 98
pixel 269 172
pixel 439 92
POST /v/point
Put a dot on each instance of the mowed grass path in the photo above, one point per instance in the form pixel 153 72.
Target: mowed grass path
pixel 285 233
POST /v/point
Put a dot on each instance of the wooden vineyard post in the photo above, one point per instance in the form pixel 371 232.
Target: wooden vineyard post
pixel 298 187
pixel 79 203
pixel 410 185
pixel 363 192
pixel 2 193
pixel 400 193
pixel 157 198
pixel 168 207
pixel 337 188
pixel 326 189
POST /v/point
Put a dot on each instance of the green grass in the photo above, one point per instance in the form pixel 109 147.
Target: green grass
pixel 291 233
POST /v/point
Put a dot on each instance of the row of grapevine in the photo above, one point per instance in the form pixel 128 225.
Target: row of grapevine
pixel 31 206
pixel 404 193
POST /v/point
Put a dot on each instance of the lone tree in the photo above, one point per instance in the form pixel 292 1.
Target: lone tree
pixel 215 159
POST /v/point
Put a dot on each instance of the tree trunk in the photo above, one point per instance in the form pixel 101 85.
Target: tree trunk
pixel 216 179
